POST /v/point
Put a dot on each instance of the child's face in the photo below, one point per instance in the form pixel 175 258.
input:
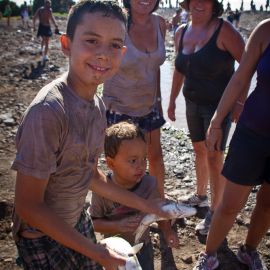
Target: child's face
pixel 129 164
pixel 96 50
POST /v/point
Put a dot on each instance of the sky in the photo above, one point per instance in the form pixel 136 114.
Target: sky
pixel 234 3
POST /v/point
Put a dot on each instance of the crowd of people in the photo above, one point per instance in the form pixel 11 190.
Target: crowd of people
pixel 70 126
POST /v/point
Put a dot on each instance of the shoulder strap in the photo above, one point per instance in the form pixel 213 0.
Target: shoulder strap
pixel 182 37
pixel 218 29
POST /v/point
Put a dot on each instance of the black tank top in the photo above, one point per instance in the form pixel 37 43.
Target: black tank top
pixel 207 71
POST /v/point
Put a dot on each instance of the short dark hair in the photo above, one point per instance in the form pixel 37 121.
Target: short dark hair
pixel 217 7
pixel 107 8
pixel 117 133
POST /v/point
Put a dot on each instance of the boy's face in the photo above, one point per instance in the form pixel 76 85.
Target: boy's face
pixel 129 164
pixel 96 50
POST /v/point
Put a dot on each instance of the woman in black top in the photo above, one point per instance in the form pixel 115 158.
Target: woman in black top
pixel 206 50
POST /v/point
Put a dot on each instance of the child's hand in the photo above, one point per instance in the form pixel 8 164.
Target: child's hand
pixel 129 224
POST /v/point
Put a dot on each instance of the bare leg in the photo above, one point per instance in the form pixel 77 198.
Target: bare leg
pixel 215 163
pixel 42 44
pixel 234 199
pixel 201 167
pixel 260 219
pixel 46 43
pixel 155 157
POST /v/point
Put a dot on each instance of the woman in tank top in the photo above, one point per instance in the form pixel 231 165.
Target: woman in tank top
pixel 206 50
pixel 248 161
pixel 134 92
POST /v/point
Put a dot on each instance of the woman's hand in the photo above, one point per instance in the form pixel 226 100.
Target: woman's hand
pixel 171 111
pixel 213 138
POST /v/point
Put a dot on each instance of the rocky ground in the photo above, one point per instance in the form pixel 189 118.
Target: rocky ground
pixel 22 74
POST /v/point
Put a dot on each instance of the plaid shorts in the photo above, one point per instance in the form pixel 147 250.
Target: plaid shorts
pixel 153 120
pixel 45 253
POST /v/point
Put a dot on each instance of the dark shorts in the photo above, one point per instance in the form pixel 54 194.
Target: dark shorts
pixel 248 159
pixel 44 31
pixel 150 122
pixel 146 257
pixel 45 253
pixel 198 121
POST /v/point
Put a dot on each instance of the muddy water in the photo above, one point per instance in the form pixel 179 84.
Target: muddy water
pixel 166 80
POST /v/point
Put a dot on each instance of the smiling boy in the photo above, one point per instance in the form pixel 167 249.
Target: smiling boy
pixel 58 142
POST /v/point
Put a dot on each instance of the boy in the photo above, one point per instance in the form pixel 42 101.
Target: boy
pixel 58 143
pixel 125 153
pixel 44 14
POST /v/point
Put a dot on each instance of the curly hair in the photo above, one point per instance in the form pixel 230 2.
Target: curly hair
pixel 117 133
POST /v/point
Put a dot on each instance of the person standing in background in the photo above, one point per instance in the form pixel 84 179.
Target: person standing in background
pixel 7 13
pixel 176 20
pixel 25 15
pixel 44 15
pixel 207 48
pixel 134 92
pixel 237 15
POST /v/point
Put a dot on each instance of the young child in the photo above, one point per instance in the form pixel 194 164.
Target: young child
pixel 58 144
pixel 125 152
pixel 44 14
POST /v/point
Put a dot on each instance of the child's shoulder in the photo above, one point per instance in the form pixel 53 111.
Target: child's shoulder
pixel 49 101
pixel 149 180
pixel 51 92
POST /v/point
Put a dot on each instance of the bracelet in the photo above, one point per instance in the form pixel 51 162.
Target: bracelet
pixel 240 103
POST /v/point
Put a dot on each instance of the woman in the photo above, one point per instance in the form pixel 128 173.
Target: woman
pixel 248 160
pixel 134 92
pixel 206 50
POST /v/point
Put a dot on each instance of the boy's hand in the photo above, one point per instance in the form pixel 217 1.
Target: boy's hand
pixel 129 224
pixel 154 207
pixel 109 259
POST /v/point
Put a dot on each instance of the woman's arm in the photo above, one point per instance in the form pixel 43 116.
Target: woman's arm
pixel 178 79
pixel 232 42
pixel 239 83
